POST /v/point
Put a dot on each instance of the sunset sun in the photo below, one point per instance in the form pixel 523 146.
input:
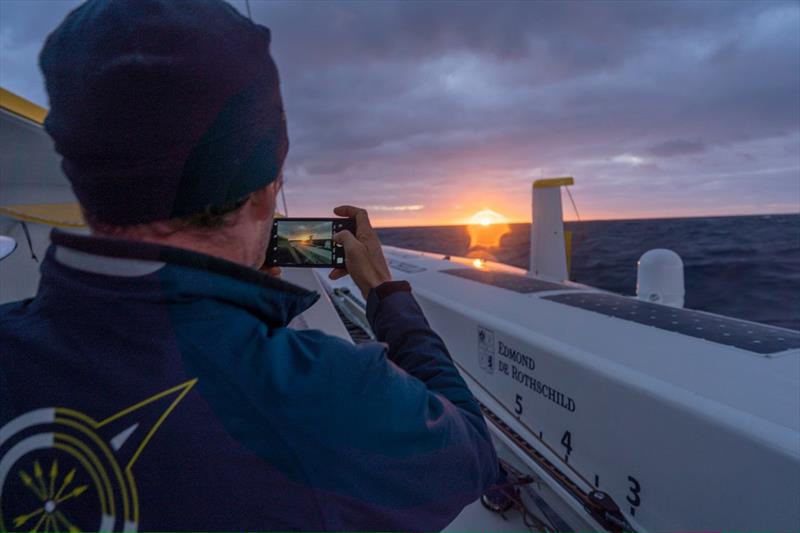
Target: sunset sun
pixel 487 217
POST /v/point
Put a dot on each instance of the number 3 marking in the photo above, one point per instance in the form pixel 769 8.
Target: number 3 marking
pixel 635 488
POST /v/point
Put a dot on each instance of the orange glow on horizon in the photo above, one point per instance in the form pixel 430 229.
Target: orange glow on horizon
pixel 467 207
pixel 486 228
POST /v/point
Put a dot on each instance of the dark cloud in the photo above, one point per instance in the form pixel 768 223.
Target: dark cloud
pixel 450 103
pixel 676 147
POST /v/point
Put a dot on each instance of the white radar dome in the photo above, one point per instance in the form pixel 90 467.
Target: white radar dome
pixel 659 278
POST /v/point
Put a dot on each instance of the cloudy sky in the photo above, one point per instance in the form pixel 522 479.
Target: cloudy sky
pixel 427 112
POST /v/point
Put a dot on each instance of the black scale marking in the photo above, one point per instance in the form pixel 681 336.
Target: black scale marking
pixel 504 280
pixel 757 338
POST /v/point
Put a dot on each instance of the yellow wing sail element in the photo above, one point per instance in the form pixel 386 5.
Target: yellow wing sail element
pixel 551 244
pixel 553 182
pixel 568 249
pixel 21 107
pixel 58 215
pixel 62 215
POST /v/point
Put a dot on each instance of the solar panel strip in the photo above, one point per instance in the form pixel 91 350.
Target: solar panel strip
pixel 748 336
pixel 504 280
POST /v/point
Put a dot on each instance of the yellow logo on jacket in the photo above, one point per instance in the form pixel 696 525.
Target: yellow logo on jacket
pixel 61 470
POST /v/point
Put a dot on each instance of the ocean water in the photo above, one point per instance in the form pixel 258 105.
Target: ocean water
pixel 745 267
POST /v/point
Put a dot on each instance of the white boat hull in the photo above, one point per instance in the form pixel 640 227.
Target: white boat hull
pixel 682 433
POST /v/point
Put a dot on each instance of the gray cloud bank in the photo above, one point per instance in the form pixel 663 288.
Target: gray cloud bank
pixel 655 107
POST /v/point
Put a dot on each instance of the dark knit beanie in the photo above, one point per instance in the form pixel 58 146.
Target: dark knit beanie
pixel 162 108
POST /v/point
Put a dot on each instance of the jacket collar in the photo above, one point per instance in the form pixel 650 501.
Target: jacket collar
pixel 168 274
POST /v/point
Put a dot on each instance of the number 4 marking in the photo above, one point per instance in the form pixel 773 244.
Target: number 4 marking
pixel 566 441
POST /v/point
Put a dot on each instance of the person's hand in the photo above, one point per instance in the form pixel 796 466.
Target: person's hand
pixel 363 253
pixel 275 272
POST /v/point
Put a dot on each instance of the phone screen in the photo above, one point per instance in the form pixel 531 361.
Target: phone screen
pixel 307 242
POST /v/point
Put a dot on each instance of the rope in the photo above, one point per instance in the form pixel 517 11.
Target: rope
pixel 510 490
pixel 249 14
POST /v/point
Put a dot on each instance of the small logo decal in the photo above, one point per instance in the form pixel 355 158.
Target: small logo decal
pixel 486 349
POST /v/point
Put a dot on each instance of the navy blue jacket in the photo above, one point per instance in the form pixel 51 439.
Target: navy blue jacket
pixel 152 388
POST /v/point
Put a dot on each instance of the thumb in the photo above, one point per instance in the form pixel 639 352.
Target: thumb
pixel 345 238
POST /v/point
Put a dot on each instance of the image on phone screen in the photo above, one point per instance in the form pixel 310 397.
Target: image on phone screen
pixel 306 242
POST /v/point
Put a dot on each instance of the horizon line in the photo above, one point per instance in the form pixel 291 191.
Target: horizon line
pixel 454 224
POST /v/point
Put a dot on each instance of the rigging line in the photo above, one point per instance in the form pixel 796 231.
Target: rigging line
pixel 283 194
pixel 28 238
pixel 575 207
pixel 283 198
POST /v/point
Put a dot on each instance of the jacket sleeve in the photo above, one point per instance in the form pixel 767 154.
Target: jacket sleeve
pixel 398 321
pixel 399 442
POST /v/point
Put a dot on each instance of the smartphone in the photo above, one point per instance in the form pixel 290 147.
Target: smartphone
pixel 307 242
